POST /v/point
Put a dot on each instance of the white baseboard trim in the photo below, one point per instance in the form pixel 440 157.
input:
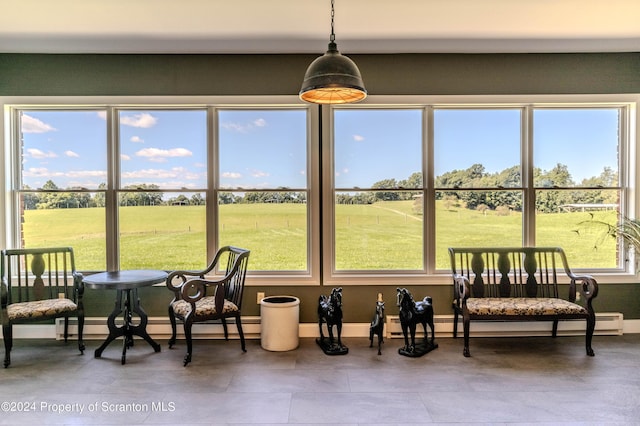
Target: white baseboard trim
pixel 95 328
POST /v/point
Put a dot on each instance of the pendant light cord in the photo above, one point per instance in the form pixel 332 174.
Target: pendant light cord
pixel 332 38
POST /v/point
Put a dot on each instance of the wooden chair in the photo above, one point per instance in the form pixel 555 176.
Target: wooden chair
pixel 198 299
pixel 40 284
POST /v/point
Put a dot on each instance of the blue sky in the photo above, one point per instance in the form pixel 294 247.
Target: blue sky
pixel 263 149
pixel 266 148
pixel 584 140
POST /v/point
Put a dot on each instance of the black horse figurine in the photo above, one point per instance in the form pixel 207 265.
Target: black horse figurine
pixel 412 313
pixel 330 312
pixel 377 324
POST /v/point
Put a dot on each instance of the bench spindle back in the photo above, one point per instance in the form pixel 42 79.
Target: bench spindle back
pixel 509 272
pixel 37 274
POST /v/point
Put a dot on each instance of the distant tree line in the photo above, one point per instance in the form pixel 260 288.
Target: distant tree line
pixel 53 197
pixel 476 177
pixel 279 196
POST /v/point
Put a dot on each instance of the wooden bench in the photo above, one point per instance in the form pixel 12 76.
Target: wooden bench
pixel 518 284
pixel 39 284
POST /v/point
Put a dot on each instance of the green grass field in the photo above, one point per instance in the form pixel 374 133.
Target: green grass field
pixel 385 235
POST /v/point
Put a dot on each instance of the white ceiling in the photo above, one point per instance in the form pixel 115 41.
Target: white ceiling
pixel 303 26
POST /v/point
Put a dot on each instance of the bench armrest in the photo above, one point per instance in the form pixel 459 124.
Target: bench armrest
pixel 586 285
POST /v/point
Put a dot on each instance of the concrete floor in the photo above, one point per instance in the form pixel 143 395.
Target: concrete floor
pixel 534 381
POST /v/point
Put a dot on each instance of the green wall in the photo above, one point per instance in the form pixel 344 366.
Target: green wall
pixel 406 74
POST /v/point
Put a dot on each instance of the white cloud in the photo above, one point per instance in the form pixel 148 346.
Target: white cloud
pixel 358 138
pixel 158 159
pixel 40 172
pixel 102 114
pixel 150 174
pixel 33 125
pixel 87 173
pixel 188 174
pixel 231 175
pixel 38 154
pixel 143 120
pixel 244 128
pixel 172 183
pixel 43 172
pixel 234 126
pixel 136 139
pixel 125 157
pixel 259 173
pixel 71 154
pixel 156 154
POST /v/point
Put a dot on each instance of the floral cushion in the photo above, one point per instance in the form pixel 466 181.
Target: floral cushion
pixel 522 306
pixel 40 308
pixel 204 307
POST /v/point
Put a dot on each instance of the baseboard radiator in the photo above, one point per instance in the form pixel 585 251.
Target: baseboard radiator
pixel 607 323
pixel 160 328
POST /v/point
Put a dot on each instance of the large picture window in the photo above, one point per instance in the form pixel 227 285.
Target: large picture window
pixel 478 178
pixel 162 188
pixel 495 175
pixel 576 154
pixel 370 193
pixel 61 181
pixel 378 190
pixel 262 183
pixel 131 188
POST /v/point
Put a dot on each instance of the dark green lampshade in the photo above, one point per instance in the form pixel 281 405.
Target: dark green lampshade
pixel 332 79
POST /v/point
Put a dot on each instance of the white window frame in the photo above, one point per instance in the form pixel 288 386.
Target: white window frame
pixel 628 171
pixel 10 156
pixel 320 217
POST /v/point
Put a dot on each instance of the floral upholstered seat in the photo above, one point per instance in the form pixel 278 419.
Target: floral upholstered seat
pixel 522 306
pixel 204 306
pixel 40 309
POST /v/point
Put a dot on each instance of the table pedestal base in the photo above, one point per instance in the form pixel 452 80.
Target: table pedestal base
pixel 128 303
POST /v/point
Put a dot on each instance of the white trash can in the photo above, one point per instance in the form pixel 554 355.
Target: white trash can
pixel 279 320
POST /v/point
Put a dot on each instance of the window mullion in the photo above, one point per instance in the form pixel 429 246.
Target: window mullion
pixel 213 181
pixel 111 195
pixel 429 199
pixel 529 201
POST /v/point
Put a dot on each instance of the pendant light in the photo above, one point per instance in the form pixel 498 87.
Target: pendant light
pixel 332 78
